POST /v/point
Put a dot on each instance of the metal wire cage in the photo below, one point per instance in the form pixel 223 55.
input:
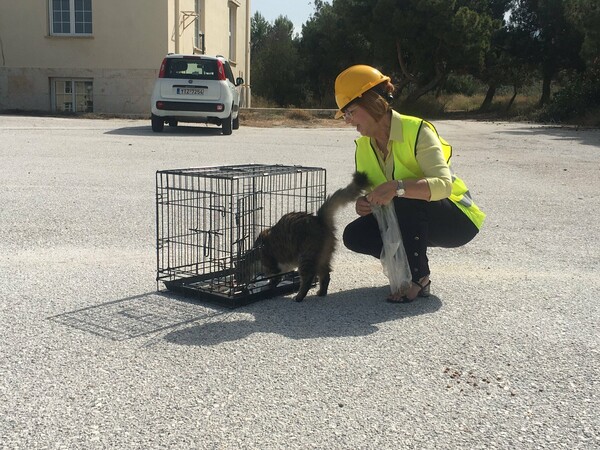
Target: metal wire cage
pixel 208 218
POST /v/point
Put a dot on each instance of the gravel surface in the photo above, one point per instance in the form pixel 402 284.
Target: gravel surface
pixel 503 355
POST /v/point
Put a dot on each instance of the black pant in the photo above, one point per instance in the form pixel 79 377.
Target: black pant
pixel 422 224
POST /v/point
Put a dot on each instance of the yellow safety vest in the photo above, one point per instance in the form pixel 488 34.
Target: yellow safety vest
pixel 407 167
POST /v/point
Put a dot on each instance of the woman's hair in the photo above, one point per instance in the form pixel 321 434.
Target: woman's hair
pixel 376 100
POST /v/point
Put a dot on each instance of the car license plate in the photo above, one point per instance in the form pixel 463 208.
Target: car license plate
pixel 190 91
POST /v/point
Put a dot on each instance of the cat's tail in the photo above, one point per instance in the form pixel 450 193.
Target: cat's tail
pixel 341 197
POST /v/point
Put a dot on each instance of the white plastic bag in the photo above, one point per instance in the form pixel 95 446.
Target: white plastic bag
pixel 393 256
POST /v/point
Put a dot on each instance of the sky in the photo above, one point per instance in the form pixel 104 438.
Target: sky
pixel 298 11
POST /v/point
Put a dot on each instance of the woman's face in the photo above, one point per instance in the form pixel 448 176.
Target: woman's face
pixel 359 117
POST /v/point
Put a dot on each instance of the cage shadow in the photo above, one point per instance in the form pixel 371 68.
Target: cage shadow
pixel 351 313
pixel 194 130
pixel 138 316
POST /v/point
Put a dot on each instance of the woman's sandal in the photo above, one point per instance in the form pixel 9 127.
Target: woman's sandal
pixel 425 291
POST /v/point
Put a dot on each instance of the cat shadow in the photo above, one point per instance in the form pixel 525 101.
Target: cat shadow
pixel 350 313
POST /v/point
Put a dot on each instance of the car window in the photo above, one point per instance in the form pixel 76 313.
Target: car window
pixel 228 72
pixel 192 68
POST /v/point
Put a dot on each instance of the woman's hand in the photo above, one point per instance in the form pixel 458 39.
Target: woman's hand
pixel 383 194
pixel 363 207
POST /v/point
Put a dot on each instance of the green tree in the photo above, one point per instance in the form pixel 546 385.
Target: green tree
pixel 546 38
pixel 417 42
pixel 259 30
pixel 333 39
pixel 499 68
pixel 585 16
pixel 428 39
pixel 579 97
pixel 275 62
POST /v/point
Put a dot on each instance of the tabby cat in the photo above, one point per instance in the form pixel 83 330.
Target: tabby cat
pixel 301 240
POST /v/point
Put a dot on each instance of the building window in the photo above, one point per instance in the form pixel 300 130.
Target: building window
pixel 70 17
pixel 232 29
pixel 72 95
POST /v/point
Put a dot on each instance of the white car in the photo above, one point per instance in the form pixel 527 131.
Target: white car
pixel 196 88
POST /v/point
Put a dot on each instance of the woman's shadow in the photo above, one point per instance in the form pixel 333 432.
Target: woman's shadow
pixel 349 313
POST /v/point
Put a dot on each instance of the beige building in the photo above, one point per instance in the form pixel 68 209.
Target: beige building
pixel 103 55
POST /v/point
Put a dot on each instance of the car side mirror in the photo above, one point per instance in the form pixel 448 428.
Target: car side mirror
pixel 239 81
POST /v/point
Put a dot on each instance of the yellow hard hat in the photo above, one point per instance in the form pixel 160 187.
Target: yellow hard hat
pixel 354 82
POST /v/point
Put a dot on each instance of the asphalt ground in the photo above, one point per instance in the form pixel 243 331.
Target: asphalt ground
pixel 503 355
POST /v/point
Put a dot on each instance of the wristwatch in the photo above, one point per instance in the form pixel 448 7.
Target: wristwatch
pixel 400 188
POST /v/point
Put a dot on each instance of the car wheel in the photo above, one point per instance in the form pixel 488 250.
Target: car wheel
pixel 173 123
pixel 236 122
pixel 158 123
pixel 227 125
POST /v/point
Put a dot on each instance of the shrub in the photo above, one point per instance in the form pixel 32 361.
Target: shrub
pixel 299 114
pixel 462 84
pixel 576 99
